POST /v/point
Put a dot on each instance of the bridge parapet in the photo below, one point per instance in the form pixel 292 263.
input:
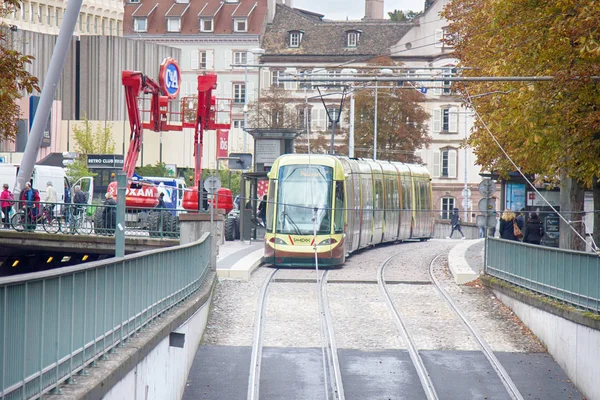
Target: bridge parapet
pixel 58 322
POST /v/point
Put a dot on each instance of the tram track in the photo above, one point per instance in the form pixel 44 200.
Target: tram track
pixel 415 356
pixel 331 367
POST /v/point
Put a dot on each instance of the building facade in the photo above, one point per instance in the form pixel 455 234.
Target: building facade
pixel 97 17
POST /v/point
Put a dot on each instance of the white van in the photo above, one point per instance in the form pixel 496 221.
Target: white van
pixel 43 174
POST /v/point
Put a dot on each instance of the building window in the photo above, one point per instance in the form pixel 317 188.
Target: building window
pixel 447 85
pixel 447 207
pixel 334 74
pixel 239 25
pixel 140 24
pixel 49 13
pixel 275 76
pixel 305 74
pixel 295 39
pixel 111 26
pixel 352 39
pixel 202 59
pixel 444 163
pixel 445 120
pixel 238 124
pixel 206 25
pixel 239 57
pixel 173 24
pixel 133 1
pixel 239 93
pixel 88 24
pixel 39 13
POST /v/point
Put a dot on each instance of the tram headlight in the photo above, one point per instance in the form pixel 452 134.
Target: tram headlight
pixel 276 240
pixel 327 241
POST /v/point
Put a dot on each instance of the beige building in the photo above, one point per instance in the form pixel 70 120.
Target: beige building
pixel 96 17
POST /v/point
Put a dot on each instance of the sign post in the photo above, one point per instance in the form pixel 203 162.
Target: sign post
pixel 212 184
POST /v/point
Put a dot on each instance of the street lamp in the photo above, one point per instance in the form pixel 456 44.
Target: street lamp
pixel 256 51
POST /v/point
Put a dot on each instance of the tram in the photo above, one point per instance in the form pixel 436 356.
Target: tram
pixel 339 205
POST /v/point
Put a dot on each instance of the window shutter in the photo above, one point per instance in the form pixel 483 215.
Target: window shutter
pixel 437 88
pixel 250 91
pixel 451 163
pixel 290 85
pixel 437 120
pixel 210 60
pixel 266 79
pixel 194 59
pixel 436 164
pixel 249 58
pixel 453 119
pixel 439 35
pixel 228 60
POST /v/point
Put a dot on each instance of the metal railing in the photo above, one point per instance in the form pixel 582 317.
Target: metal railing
pixel 56 323
pixel 569 276
pixel 94 219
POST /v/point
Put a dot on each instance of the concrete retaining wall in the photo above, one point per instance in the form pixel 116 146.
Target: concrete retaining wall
pixel 163 373
pixel 574 346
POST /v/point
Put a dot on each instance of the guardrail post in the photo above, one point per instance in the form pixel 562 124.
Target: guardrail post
pixel 120 223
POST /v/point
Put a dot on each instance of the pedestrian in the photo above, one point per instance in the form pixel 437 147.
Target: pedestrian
pixel 51 198
pixel 455 222
pixel 533 230
pixel 67 201
pixel 262 210
pixel 30 198
pixel 521 218
pixel 109 213
pixel 79 202
pixel 161 201
pixel 509 226
pixel 6 202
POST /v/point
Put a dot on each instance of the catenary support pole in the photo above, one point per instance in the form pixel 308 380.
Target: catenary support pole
pixel 49 90
pixel 351 134
pixel 120 222
pixel 375 126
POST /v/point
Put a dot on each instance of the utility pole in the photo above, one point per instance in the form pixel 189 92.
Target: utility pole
pixel 375 126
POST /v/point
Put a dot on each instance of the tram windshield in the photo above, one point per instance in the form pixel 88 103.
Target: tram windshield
pixel 301 189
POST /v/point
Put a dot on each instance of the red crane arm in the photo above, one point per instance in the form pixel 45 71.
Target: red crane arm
pixel 135 83
pixel 204 118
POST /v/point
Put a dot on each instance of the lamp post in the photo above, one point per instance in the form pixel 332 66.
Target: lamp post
pixel 256 51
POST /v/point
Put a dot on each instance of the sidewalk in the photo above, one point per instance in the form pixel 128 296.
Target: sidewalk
pixel 237 260
pixel 466 260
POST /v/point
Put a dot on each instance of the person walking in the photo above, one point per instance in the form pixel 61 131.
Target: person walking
pixel 6 202
pixel 51 197
pixel 109 213
pixel 533 230
pixel 30 198
pixel 262 210
pixel 455 222
pixel 508 222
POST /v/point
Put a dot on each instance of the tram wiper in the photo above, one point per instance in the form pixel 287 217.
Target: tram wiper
pixel 296 228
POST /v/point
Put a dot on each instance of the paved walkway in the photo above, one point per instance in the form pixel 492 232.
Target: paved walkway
pixel 237 259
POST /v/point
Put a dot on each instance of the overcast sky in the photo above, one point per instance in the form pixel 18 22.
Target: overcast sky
pixel 354 9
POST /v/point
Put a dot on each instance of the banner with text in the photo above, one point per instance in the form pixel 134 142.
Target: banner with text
pixel 222 143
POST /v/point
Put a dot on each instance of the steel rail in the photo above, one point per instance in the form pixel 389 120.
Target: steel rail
pixel 337 386
pixel 412 348
pixel 508 383
pixel 255 361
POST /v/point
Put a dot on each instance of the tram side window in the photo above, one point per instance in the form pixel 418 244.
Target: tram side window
pixel 340 205
pixel 270 206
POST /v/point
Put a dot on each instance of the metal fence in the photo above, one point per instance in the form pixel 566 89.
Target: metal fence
pixel 565 275
pixel 56 323
pixel 94 219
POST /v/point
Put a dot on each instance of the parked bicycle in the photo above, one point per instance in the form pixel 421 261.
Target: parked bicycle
pixel 79 222
pixel 28 218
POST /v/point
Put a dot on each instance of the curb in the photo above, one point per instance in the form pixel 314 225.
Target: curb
pixel 458 264
pixel 243 268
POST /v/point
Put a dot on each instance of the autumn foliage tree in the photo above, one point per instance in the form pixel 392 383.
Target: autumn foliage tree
pixel 14 78
pixel 551 129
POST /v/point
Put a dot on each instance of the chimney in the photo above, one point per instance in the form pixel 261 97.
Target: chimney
pixel 373 9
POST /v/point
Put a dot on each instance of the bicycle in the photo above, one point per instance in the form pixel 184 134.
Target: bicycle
pixel 23 220
pixel 79 222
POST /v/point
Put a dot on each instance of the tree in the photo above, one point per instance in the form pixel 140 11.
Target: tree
pixel 273 111
pixel 547 128
pixel 14 79
pixel 401 16
pixel 89 141
pixel 158 169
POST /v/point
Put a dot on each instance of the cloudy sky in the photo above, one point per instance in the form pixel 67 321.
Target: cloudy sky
pixel 353 9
